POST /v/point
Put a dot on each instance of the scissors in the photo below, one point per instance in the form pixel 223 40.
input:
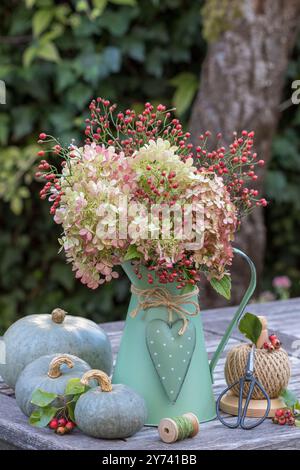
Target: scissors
pixel 242 411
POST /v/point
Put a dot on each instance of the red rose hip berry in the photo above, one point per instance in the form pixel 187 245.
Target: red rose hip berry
pixel 288 413
pixel 60 430
pixel 291 421
pixel 62 422
pixel 53 424
pixel 279 413
pixel 70 425
pixel 282 420
pixel 272 337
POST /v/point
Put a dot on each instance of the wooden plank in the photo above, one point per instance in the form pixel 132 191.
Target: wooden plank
pixel 14 429
pixel 283 317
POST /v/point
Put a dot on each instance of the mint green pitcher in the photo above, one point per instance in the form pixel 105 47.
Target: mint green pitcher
pixel 190 375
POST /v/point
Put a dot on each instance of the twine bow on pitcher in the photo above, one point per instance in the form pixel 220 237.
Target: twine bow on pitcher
pixel 159 296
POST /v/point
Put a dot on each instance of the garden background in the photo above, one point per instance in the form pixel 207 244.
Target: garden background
pixel 57 55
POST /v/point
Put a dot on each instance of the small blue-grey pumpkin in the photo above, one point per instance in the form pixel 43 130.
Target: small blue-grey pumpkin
pixel 49 373
pixel 37 335
pixel 109 411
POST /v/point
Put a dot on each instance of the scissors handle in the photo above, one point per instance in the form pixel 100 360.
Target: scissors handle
pixel 242 410
pixel 218 409
pixel 254 383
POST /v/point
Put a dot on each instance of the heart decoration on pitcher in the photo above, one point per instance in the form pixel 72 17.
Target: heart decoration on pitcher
pixel 171 353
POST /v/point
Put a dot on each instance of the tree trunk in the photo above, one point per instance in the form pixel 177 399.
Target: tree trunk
pixel 240 88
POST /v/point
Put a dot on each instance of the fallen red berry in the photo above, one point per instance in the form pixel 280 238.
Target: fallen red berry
pixel 282 420
pixel 62 422
pixel 279 413
pixel 53 424
pixel 60 430
pixel 70 425
pixel 291 421
pixel 272 337
pixel 287 413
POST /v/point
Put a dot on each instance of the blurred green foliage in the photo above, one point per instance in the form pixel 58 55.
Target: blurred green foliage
pixel 283 190
pixel 55 56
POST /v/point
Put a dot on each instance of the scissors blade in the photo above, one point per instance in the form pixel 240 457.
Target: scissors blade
pixel 250 362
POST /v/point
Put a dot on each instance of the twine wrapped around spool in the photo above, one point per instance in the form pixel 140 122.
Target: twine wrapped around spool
pixel 178 428
pixel 272 370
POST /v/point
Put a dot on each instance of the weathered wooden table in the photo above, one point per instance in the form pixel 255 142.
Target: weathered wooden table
pixel 283 318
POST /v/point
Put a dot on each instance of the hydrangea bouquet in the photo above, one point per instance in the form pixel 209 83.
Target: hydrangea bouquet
pixel 110 196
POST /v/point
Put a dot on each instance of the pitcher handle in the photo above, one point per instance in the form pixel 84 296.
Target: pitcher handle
pixel 239 312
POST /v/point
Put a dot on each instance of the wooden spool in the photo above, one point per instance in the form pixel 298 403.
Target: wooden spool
pixel 168 429
pixel 256 409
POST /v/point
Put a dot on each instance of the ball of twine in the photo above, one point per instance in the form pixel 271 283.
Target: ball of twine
pixel 271 369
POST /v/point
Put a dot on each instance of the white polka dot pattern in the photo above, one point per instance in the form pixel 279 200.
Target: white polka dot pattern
pixel 171 353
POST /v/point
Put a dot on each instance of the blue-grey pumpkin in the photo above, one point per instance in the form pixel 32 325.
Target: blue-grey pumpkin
pixel 109 411
pixel 37 335
pixel 49 373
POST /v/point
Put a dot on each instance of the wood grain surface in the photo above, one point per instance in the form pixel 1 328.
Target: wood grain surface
pixel 283 319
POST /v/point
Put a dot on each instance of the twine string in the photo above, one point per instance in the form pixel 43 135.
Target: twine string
pixel 272 370
pixel 184 426
pixel 159 296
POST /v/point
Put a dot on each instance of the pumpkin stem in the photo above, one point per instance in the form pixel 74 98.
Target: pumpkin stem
pixel 54 367
pixel 100 376
pixel 58 315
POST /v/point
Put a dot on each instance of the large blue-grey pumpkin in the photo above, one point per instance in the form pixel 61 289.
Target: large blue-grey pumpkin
pixel 37 335
pixel 49 373
pixel 109 411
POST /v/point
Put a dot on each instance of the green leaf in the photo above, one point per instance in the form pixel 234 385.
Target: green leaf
pixel 131 3
pixel 132 253
pixel 117 24
pixel 62 14
pixel 71 408
pixel 30 3
pixel 297 406
pixel 112 58
pixel 74 387
pixel 186 86
pixel 42 398
pixel 55 32
pixel 297 423
pixel 82 5
pixel 79 95
pixel 23 121
pixel 222 286
pixel 135 49
pixel 48 51
pixel 41 20
pixel 16 205
pixel 100 6
pixel 250 326
pixel 29 55
pixel 4 128
pixel 65 76
pixel 289 398
pixel 42 417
